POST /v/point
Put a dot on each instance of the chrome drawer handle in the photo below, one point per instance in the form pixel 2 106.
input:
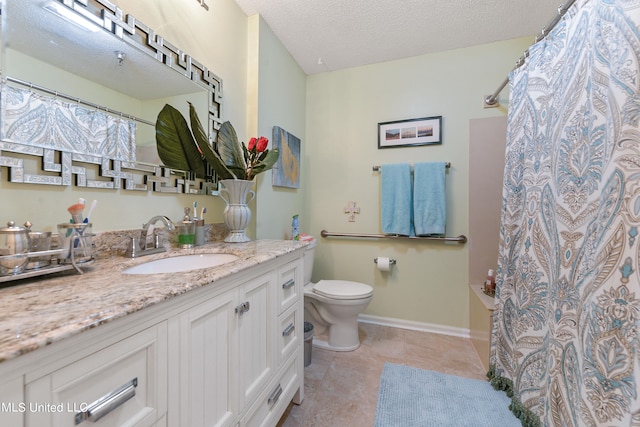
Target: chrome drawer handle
pixel 288 330
pixel 275 395
pixel 108 403
pixel 289 284
pixel 243 308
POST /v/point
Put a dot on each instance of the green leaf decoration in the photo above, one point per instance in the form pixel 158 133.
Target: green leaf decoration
pixel 187 149
pixel 203 143
pixel 176 146
pixel 230 150
pixel 269 160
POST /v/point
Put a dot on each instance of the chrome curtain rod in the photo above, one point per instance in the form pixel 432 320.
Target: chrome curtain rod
pixel 460 239
pixel 77 100
pixel 491 100
pixel 377 168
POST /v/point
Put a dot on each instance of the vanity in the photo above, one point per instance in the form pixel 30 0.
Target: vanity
pixel 219 346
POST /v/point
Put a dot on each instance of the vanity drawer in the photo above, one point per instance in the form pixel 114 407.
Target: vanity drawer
pixel 289 286
pixel 274 401
pixel 123 384
pixel 289 333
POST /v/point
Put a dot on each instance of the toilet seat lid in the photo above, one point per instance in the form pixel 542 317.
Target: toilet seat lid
pixel 342 289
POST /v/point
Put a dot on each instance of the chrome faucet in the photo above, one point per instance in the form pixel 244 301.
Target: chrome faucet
pixel 138 246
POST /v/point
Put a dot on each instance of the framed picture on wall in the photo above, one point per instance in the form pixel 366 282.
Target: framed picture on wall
pixel 404 133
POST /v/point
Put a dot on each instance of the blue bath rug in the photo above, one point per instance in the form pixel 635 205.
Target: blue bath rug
pixel 412 397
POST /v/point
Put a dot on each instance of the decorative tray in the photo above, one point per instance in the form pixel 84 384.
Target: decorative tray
pixel 56 265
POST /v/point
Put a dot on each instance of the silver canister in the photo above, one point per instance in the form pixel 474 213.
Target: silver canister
pixel 14 245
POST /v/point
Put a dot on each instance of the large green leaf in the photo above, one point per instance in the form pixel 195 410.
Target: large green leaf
pixel 176 146
pixel 203 142
pixel 230 149
pixel 268 161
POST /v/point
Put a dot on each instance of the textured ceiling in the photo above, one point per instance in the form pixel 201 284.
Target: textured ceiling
pixel 329 35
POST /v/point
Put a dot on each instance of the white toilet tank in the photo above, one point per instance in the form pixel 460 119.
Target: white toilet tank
pixel 308 261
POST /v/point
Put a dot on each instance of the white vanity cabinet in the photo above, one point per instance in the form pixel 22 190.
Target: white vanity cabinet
pixel 230 350
pixel 224 354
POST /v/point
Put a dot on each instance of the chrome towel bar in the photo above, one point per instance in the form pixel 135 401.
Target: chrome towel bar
pixel 460 239
pixel 377 168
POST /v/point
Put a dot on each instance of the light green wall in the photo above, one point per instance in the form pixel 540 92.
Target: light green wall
pixel 279 90
pixel 429 282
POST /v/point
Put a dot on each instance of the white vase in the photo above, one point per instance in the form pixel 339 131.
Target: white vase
pixel 236 214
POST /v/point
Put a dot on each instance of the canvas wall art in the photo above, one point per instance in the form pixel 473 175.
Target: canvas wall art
pixel 286 171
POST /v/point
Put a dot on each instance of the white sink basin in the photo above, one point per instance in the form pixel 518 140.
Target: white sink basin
pixel 181 263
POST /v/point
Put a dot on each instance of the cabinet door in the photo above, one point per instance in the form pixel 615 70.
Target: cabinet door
pixel 123 384
pixel 208 370
pixel 256 325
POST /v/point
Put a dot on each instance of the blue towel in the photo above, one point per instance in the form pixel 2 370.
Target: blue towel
pixel 429 198
pixel 397 199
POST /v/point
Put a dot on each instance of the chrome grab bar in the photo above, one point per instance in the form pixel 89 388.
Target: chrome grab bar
pixel 460 239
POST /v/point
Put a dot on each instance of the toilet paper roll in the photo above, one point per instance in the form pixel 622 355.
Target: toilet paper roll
pixel 383 263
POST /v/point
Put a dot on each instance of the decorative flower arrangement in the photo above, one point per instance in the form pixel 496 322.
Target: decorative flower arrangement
pixel 188 149
pixel 256 152
pixel 240 161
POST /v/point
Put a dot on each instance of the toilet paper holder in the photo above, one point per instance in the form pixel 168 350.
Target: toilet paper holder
pixel 391 261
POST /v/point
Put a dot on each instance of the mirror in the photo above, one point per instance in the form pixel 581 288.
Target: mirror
pixel 94 68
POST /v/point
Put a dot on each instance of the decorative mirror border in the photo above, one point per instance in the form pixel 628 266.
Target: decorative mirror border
pixel 61 167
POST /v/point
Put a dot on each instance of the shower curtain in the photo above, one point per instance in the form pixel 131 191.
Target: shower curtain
pixel 565 330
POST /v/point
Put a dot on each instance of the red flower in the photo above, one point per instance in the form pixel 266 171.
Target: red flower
pixel 262 144
pixel 256 152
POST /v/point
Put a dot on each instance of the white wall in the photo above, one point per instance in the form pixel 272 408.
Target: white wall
pixel 429 282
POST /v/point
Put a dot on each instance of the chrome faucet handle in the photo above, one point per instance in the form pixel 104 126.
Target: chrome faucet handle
pixel 132 247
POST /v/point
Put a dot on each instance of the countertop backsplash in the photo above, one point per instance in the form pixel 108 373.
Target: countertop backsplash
pixel 108 244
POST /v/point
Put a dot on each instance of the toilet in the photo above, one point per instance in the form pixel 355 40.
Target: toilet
pixel 334 305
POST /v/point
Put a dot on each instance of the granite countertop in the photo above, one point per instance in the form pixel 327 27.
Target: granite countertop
pixel 37 312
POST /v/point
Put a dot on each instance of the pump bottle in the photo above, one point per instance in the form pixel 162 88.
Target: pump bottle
pixel 295 228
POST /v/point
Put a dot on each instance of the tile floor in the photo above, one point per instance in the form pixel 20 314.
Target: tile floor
pixel 341 388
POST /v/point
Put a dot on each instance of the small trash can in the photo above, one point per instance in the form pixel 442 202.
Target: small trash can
pixel 308 339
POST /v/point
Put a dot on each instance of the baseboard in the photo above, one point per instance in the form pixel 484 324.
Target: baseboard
pixel 415 326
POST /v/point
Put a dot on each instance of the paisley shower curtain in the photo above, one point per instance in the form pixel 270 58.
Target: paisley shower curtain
pixel 565 338
pixel 48 122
